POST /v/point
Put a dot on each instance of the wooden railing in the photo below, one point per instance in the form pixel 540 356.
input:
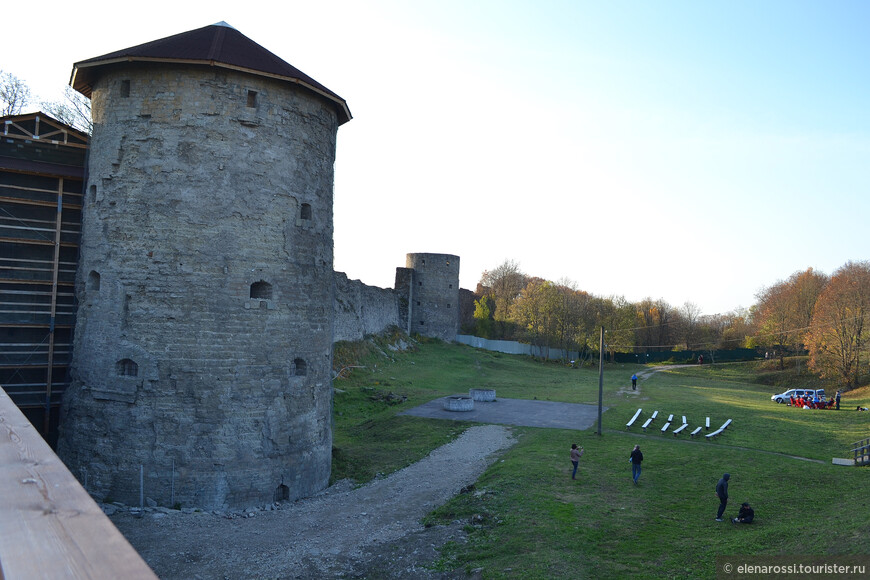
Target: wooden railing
pixel 49 526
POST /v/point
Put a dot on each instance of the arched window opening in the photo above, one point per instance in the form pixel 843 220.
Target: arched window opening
pixel 93 191
pixel 300 368
pixel 93 281
pixel 261 290
pixel 127 368
pixel 282 493
pixel 305 211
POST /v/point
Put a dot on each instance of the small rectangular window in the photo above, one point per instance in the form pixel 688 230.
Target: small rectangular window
pixel 125 89
pixel 252 99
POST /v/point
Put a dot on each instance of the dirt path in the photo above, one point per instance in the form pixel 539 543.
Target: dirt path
pixel 644 375
pixel 371 531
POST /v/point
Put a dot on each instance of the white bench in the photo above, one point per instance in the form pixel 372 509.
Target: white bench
pixel 633 419
pixel 695 432
pixel 670 418
pixel 708 423
pixel 713 434
pixel 650 420
pixel 666 426
pixel 719 430
pixel 684 420
pixel 680 428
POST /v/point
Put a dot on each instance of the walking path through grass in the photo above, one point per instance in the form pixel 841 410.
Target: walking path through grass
pixel 343 532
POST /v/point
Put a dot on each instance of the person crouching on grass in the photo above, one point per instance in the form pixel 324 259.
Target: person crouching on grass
pixel 745 515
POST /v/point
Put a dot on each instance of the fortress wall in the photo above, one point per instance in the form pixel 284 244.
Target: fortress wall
pixel 362 309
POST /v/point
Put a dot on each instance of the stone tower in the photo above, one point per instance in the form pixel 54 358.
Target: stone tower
pixel 202 354
pixel 432 282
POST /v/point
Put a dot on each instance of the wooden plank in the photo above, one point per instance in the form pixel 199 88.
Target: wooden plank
pixel 49 526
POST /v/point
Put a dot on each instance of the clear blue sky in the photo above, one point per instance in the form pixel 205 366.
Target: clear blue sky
pixel 690 151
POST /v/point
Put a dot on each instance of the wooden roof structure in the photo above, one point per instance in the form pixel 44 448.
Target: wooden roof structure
pixel 217 45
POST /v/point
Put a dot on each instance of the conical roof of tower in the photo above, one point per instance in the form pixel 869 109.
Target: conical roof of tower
pixel 218 45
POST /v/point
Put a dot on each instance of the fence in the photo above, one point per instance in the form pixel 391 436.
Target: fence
pixel 683 356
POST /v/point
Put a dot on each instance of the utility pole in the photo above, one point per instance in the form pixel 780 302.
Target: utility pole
pixel 600 376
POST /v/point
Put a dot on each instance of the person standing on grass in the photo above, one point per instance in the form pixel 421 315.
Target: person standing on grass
pixel 636 457
pixel 576 454
pixel 722 494
pixel 837 399
pixel 633 382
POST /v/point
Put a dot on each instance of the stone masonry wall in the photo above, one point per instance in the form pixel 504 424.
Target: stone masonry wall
pixel 362 309
pixel 206 290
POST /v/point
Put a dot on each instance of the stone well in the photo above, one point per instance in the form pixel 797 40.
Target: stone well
pixel 458 403
pixel 482 395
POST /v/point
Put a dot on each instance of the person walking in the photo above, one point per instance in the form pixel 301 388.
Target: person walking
pixel 722 494
pixel 635 458
pixel 576 454
pixel 633 382
pixel 837 399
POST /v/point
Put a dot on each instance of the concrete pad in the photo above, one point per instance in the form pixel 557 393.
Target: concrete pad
pixel 838 461
pixel 520 412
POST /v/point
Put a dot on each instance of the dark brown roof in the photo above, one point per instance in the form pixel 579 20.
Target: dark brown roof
pixel 216 45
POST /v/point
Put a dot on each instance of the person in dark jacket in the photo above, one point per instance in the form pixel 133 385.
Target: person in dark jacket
pixel 636 457
pixel 745 515
pixel 722 494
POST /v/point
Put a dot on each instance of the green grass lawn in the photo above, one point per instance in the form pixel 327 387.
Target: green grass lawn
pixel 529 520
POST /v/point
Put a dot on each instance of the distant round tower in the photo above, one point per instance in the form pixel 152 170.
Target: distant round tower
pixel 434 295
pixel 203 345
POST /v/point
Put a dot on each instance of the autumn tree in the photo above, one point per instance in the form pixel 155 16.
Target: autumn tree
pixel 836 339
pixel 503 284
pixel 617 316
pixel 654 325
pixel 784 311
pixel 689 323
pixel 535 311
pixel 483 319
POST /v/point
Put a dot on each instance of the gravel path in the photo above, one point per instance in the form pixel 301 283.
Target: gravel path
pixel 371 531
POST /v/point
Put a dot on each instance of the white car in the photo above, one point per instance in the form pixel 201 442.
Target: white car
pixel 786 396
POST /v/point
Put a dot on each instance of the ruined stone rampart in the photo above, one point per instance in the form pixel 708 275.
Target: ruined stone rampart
pixel 362 309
